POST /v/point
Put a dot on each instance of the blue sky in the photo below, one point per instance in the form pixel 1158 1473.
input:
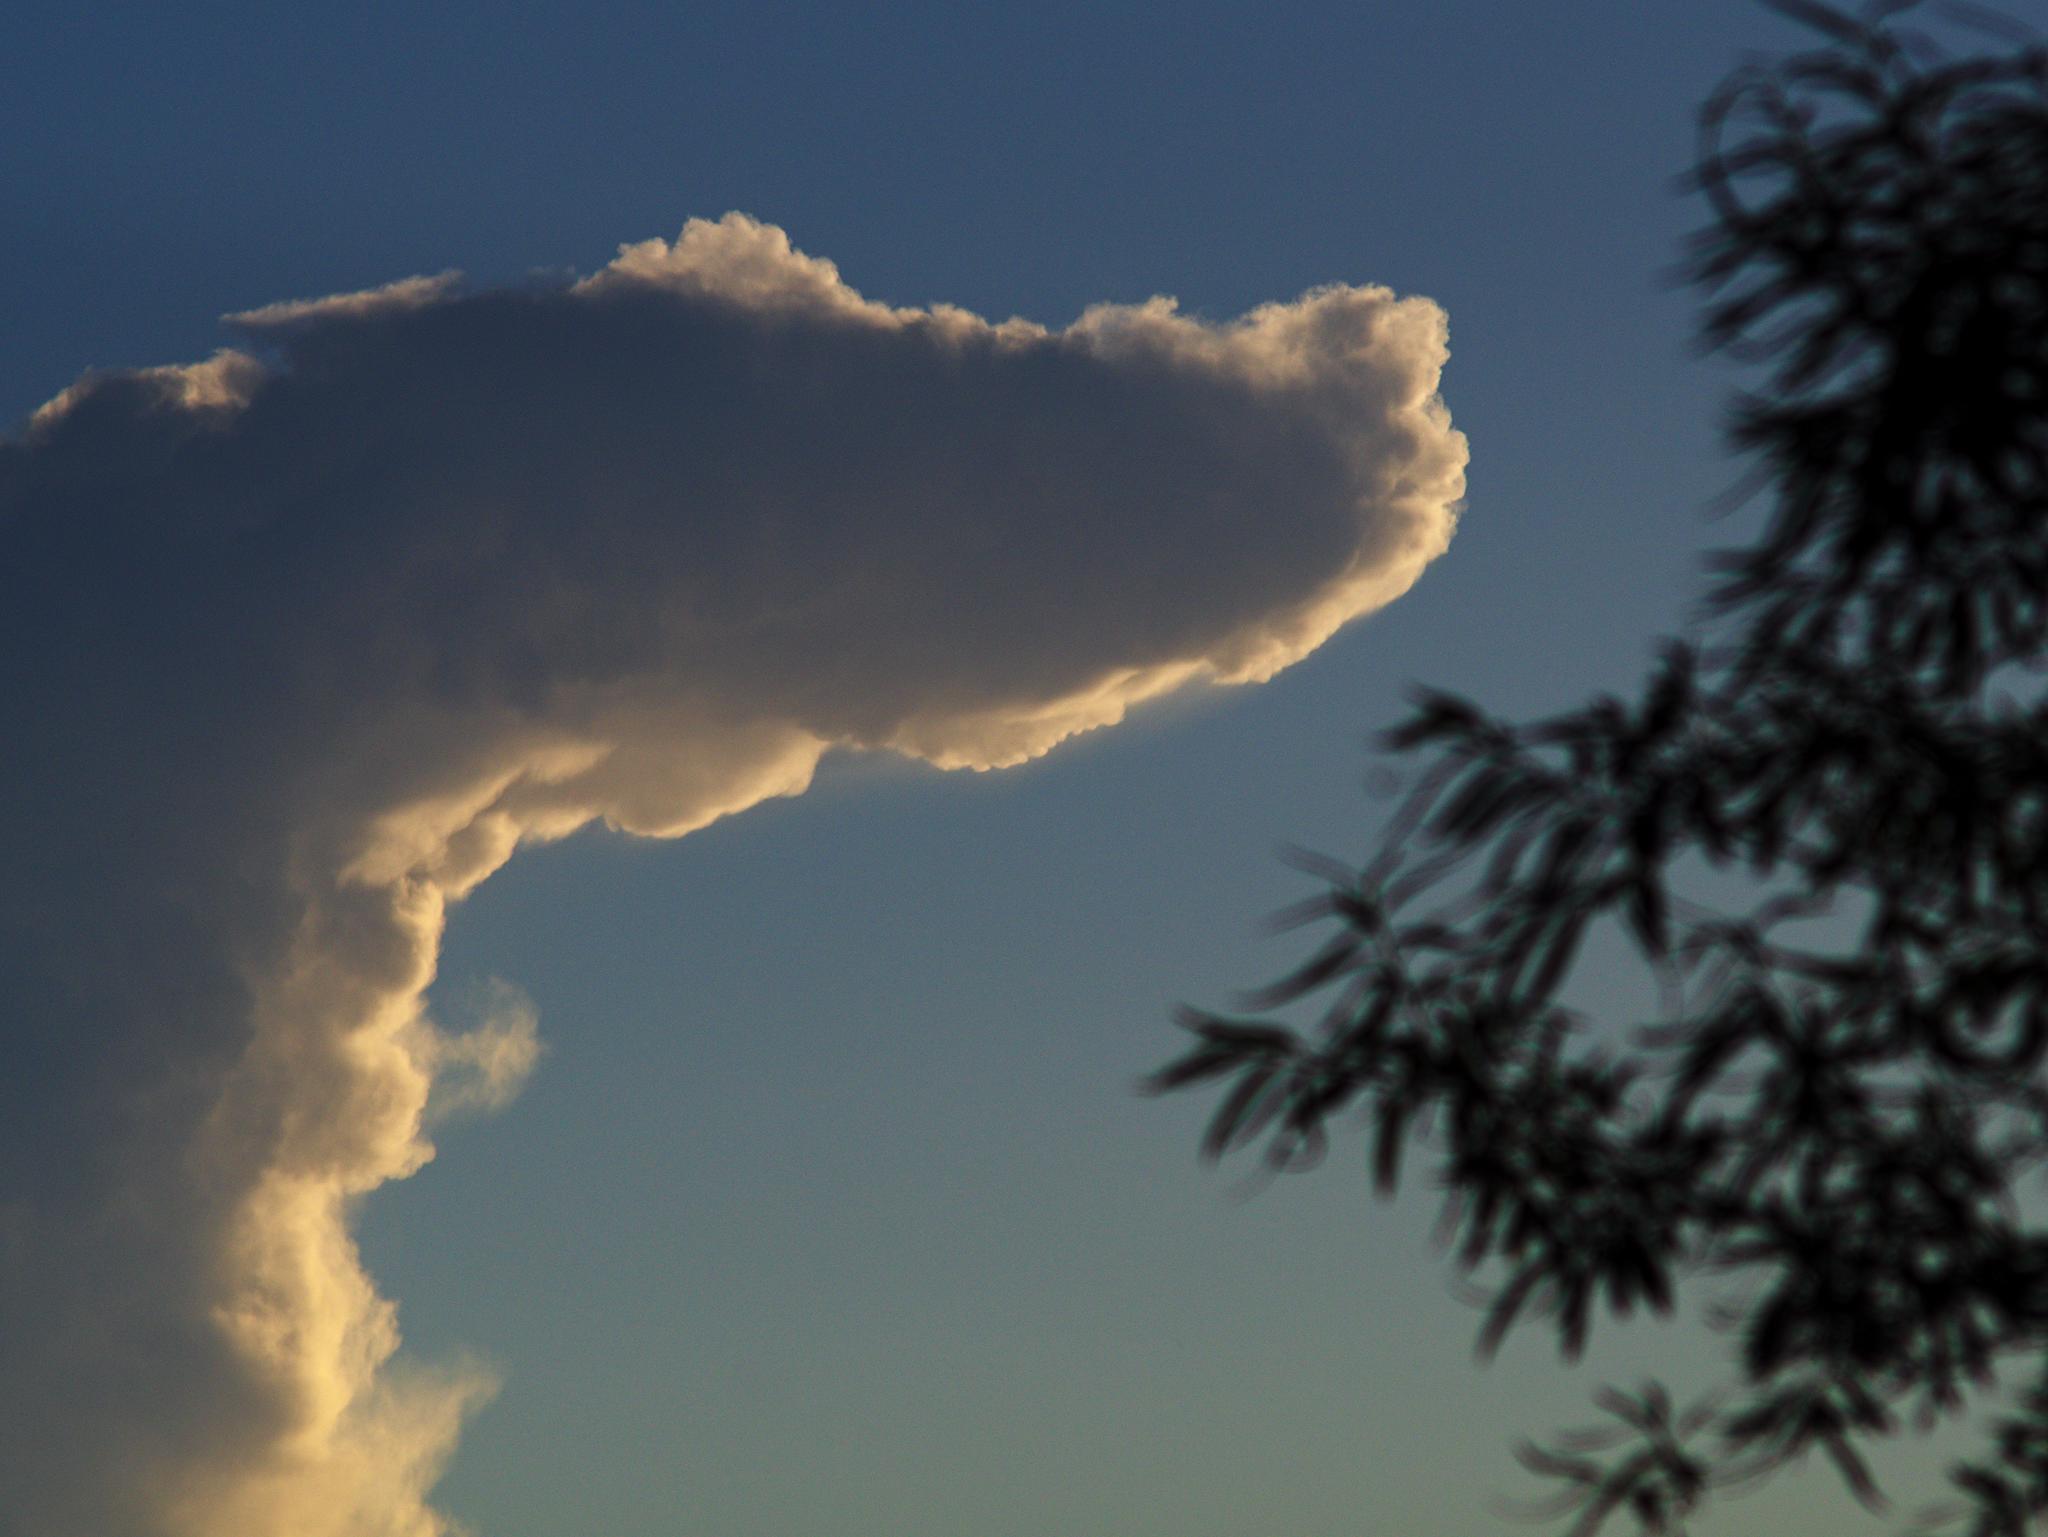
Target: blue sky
pixel 829 1207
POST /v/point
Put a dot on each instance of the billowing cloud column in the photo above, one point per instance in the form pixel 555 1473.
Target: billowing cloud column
pixel 299 644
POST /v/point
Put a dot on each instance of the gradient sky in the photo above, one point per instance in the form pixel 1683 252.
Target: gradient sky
pixel 829 1208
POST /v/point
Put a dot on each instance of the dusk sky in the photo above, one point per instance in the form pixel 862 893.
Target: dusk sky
pixel 883 521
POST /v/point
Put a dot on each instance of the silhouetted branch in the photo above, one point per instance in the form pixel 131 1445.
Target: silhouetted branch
pixel 1838 1123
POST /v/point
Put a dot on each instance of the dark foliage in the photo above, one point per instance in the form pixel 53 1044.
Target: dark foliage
pixel 1845 1095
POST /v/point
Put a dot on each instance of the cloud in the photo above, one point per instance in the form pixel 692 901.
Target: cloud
pixel 484 1067
pixel 295 314
pixel 300 643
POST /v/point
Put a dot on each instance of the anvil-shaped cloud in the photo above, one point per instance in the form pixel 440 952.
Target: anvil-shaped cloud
pixel 300 643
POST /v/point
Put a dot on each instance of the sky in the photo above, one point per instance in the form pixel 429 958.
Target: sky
pixel 628 801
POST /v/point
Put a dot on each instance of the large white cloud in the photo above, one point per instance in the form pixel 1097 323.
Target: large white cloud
pixel 300 643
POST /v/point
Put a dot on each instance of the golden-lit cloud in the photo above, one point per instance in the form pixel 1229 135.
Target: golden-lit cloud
pixel 309 638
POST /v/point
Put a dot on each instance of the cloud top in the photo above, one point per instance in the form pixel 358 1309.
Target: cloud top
pixel 311 636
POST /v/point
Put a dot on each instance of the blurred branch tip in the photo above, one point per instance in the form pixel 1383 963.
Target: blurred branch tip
pixel 1835 1109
